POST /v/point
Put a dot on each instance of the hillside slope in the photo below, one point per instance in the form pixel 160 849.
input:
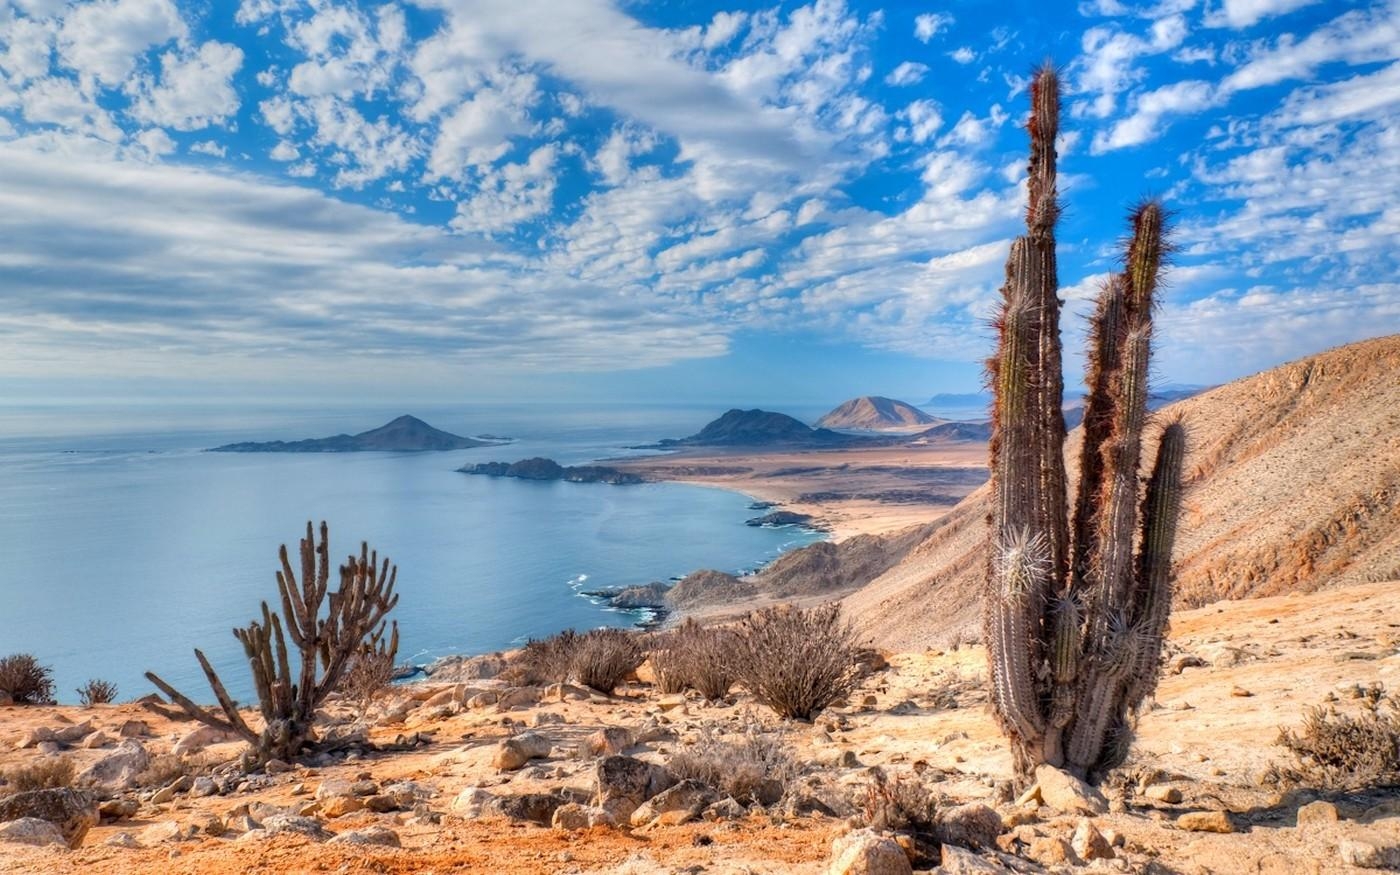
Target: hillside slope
pixel 1294 485
pixel 874 413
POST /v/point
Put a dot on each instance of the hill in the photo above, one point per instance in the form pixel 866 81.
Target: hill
pixel 757 428
pixel 1294 486
pixel 405 434
pixel 874 413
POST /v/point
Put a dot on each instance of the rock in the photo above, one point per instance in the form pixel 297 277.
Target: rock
pixel 1051 851
pixel 471 802
pixel 672 703
pixel 118 809
pixel 1064 792
pixel 364 787
pixel 1163 793
pixel 1184 661
pixel 277 767
pixel 372 835
pixel 165 794
pixel 957 861
pixel 297 824
pixel 865 852
pixel 1205 821
pixel 546 718
pixel 1317 814
pixel 450 696
pixel 34 737
pixel 198 739
pixel 565 692
pixel 679 804
pixel 48 748
pixel 74 812
pixel 73 734
pixel 623 783
pixel 484 699
pixel 96 740
pixel 518 697
pixel 213 825
pixel 608 741
pixel 532 807
pixel 575 816
pixel 1089 843
pixel 1240 692
pixel 134 729
pixel 726 809
pixel 31 831
pixel 339 806
pixel 203 786
pixel 122 840
pixel 117 770
pixel 165 831
pixel 1370 850
pixel 971 826
pixel 518 750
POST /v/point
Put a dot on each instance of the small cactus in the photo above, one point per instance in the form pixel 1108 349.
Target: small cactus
pixel 1076 609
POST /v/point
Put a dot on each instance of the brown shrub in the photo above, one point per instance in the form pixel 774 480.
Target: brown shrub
pixel 366 678
pixel 697 657
pixel 544 660
pixel 27 682
pixel 604 657
pixel 1337 751
pixel 796 662
pixel 751 765
pixel 43 774
pixel 667 665
pixel 901 803
pixel 97 692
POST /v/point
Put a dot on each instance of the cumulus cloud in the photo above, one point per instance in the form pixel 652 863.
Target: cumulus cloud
pixel 194 90
pixel 928 25
pixel 1240 14
pixel 907 73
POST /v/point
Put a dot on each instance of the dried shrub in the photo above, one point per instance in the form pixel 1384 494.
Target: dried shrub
pixel 696 657
pixel 901 803
pixel 97 692
pixel 796 662
pixel 751 765
pixel 544 660
pixel 667 665
pixel 44 774
pixel 166 768
pixel 1338 751
pixel 366 679
pixel 27 682
pixel 604 657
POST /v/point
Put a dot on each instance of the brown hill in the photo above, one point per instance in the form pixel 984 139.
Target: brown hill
pixel 873 413
pixel 1294 486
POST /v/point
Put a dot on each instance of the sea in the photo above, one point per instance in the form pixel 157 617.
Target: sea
pixel 124 545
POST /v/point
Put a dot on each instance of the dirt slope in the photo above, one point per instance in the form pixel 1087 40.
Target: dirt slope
pixel 1294 485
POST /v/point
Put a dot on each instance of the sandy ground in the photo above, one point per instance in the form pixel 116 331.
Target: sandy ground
pixel 1210 735
pixel 851 491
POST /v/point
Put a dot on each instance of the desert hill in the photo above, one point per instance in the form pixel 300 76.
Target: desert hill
pixel 404 434
pixel 874 413
pixel 1293 486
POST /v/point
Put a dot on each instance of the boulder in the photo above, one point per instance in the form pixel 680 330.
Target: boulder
pixel 1317 814
pixel 74 812
pixel 957 861
pixel 1370 850
pixel 608 741
pixel 73 734
pixel 1205 821
pixel 34 737
pixel 298 825
pixel 471 802
pixel 1089 843
pixel 117 770
pixel 96 740
pixel 31 831
pixel 576 816
pixel 973 825
pixel 679 804
pixel 381 836
pixel 518 697
pixel 1064 792
pixel 134 729
pixel 198 739
pixel 515 752
pixel 623 783
pixel 865 852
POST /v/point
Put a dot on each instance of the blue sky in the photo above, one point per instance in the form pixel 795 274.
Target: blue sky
pixel 600 199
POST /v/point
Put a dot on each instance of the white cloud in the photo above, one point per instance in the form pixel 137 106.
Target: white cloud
pixel 194 90
pixel 907 73
pixel 928 25
pixel 1356 37
pixel 209 147
pixel 512 194
pixel 1150 109
pixel 1240 14
pixel 103 39
pixel 924 121
pixel 963 55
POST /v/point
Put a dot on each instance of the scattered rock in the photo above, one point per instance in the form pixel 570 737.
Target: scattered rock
pixel 34 737
pixel 516 751
pixel 1089 843
pixel 865 852
pixel 957 861
pixel 134 729
pixel 292 823
pixel 623 783
pixel 971 826
pixel 371 835
pixel 1370 850
pixel 118 809
pixel 1064 792
pixel 96 740
pixel 608 741
pixel 73 734
pixel 198 739
pixel 164 831
pixel 31 831
pixel 1205 821
pixel 676 805
pixel 118 770
pixel 74 812
pixel 1316 814
pixel 1163 793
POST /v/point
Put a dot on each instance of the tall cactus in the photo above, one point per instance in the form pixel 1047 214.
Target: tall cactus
pixel 1076 610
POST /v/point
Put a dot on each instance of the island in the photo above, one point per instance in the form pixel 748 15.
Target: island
pixel 406 434
pixel 762 428
pixel 548 469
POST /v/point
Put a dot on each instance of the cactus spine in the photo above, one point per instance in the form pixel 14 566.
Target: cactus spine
pixel 1076 611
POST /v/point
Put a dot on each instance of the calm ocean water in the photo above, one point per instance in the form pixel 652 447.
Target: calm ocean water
pixel 125 545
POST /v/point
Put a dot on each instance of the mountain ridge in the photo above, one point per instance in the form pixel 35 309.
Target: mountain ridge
pixel 403 434
pixel 875 413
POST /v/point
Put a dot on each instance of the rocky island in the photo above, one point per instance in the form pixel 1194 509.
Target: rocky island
pixel 407 434
pixel 548 469
pixel 757 428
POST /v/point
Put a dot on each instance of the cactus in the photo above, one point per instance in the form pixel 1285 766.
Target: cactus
pixel 354 624
pixel 1076 609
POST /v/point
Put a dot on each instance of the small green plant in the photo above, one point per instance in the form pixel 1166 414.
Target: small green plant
pixel 97 692
pixel 25 680
pixel 1340 751
pixel 605 657
pixel 796 661
pixel 44 774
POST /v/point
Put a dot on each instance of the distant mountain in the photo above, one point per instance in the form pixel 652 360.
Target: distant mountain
pixel 756 428
pixel 405 434
pixel 957 431
pixel 977 405
pixel 547 469
pixel 874 413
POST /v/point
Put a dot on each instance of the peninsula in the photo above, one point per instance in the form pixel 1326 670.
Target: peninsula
pixel 407 434
pixel 548 469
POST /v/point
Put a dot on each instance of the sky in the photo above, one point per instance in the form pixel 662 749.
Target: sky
pixel 635 200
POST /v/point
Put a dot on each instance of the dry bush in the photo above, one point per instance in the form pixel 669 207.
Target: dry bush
pixel 604 657
pixel 166 768
pixel 27 682
pixel 796 662
pixel 366 678
pixel 544 660
pixel 667 665
pixel 44 774
pixel 97 692
pixel 752 765
pixel 1337 751
pixel 901 803
pixel 696 657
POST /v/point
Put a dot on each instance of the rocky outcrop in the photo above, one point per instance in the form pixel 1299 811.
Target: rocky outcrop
pixel 547 469
pixel 73 812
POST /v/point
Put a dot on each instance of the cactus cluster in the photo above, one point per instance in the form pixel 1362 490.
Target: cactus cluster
pixel 1076 606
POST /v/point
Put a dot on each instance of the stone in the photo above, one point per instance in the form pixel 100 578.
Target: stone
pixel 973 825
pixel 570 816
pixel 958 861
pixel 1089 843
pixel 73 734
pixel 213 825
pixel 1370 850
pixel 198 739
pixel 34 737
pixel 1317 814
pixel 1064 792
pixel 117 770
pixel 546 718
pixel 339 806
pixel 471 802
pixel 296 824
pixel 164 831
pixel 608 741
pixel 1205 821
pixel 565 692
pixel 623 783
pixel 865 852
pixel 1051 851
pixel 74 812
pixel 277 767
pixel 726 809
pixel 518 697
pixel 96 740
pixel 1163 793
pixel 165 794
pixel 1240 692
pixel 449 696
pixel 203 786
pixel 364 787
pixel 122 840
pixel 532 807
pixel 513 753
pixel 483 699
pixel 380 836
pixel 134 729
pixel 118 809
pixel 48 748
pixel 31 831
pixel 676 805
